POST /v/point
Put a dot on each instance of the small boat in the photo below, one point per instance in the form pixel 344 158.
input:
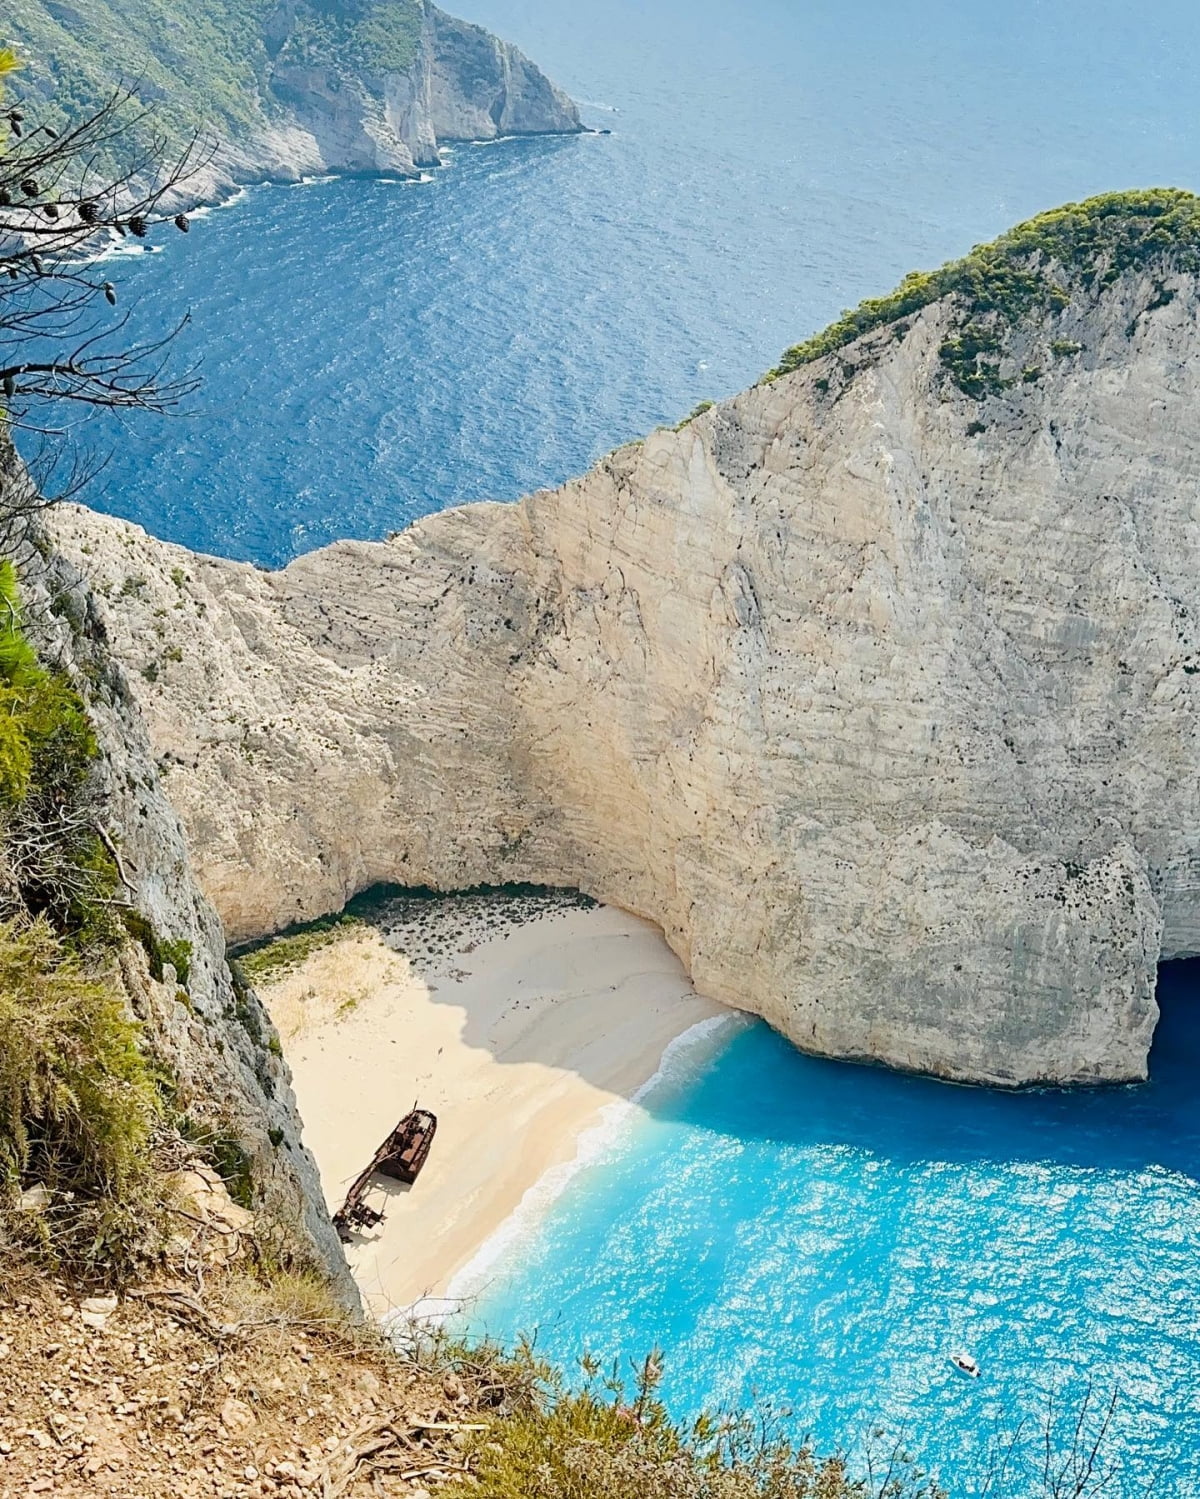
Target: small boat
pixel 965 1364
pixel 401 1157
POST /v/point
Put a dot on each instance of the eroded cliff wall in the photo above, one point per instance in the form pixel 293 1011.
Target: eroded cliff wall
pixel 880 700
pixel 462 84
pixel 228 1079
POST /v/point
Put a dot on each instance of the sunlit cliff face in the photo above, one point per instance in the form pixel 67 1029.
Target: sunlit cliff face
pixel 877 697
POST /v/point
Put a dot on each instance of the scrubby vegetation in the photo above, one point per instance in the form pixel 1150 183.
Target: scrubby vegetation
pixel 55 861
pixel 204 65
pixel 597 1441
pixel 698 410
pixel 194 62
pixel 160 951
pixel 261 961
pixel 41 720
pixel 1030 269
pixel 372 38
pixel 78 1099
pixel 78 1104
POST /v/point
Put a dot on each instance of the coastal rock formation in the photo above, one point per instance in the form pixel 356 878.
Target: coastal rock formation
pixel 291 90
pixel 879 697
pixel 212 1037
pixel 461 84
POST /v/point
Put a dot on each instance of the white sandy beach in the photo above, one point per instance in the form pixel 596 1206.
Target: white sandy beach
pixel 516 1035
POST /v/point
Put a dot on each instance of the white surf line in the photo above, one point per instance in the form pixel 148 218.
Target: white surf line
pixel 203 210
pixel 593 1144
pixel 121 250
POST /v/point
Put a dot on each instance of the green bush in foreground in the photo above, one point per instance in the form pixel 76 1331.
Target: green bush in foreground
pixel 1024 270
pixel 78 1103
pixel 45 737
pixel 56 861
pixel 596 1442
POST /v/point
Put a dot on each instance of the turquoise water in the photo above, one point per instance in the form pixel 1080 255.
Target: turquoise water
pixel 373 352
pixel 820 1236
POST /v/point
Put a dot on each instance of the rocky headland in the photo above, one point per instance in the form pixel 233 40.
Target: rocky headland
pixel 875 687
pixel 462 84
pixel 282 91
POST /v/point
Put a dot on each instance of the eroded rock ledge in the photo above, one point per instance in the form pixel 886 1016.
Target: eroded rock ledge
pixel 880 699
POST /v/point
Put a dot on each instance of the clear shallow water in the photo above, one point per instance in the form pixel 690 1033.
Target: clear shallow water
pixel 376 351
pixel 820 1236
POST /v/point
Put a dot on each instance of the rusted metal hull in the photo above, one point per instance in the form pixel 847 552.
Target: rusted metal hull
pixel 401 1156
pixel 406 1149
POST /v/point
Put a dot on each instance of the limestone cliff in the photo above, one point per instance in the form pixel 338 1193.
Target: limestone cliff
pixel 461 84
pixel 213 1038
pixel 286 88
pixel 878 695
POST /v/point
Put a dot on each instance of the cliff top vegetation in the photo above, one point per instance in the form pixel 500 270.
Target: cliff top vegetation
pixel 205 65
pixel 1029 268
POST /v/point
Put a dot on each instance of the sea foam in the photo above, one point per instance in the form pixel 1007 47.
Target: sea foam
pixel 680 1060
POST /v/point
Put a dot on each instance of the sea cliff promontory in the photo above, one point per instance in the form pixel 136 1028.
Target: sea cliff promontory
pixel 280 91
pixel 875 686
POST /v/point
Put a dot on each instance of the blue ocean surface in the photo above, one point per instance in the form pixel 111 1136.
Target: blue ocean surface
pixel 820 1237
pixel 817 1235
pixel 374 351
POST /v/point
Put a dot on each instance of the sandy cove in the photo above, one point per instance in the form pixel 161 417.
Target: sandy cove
pixel 517 1033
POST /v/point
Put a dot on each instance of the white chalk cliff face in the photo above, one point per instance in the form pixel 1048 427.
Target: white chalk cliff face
pixel 464 85
pixel 881 701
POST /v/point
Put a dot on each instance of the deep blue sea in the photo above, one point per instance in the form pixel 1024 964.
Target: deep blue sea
pixel 814 1234
pixel 375 351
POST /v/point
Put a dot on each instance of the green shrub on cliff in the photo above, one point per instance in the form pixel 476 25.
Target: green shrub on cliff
pixel 77 1099
pixel 204 65
pixel 1027 269
pixel 599 1442
pixel 45 738
pixel 78 1102
pixel 199 64
pixel 374 38
pixel 56 861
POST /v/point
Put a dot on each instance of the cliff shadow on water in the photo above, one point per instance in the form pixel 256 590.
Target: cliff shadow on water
pixel 904 1119
pixel 912 1121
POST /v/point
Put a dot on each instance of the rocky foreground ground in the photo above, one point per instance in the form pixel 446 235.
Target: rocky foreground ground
pixel 175 1391
pixel 214 1378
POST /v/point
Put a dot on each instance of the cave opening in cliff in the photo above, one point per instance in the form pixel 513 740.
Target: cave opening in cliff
pixel 1175 1050
pixel 437 917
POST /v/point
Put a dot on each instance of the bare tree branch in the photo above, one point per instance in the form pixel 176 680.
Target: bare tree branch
pixel 62 202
